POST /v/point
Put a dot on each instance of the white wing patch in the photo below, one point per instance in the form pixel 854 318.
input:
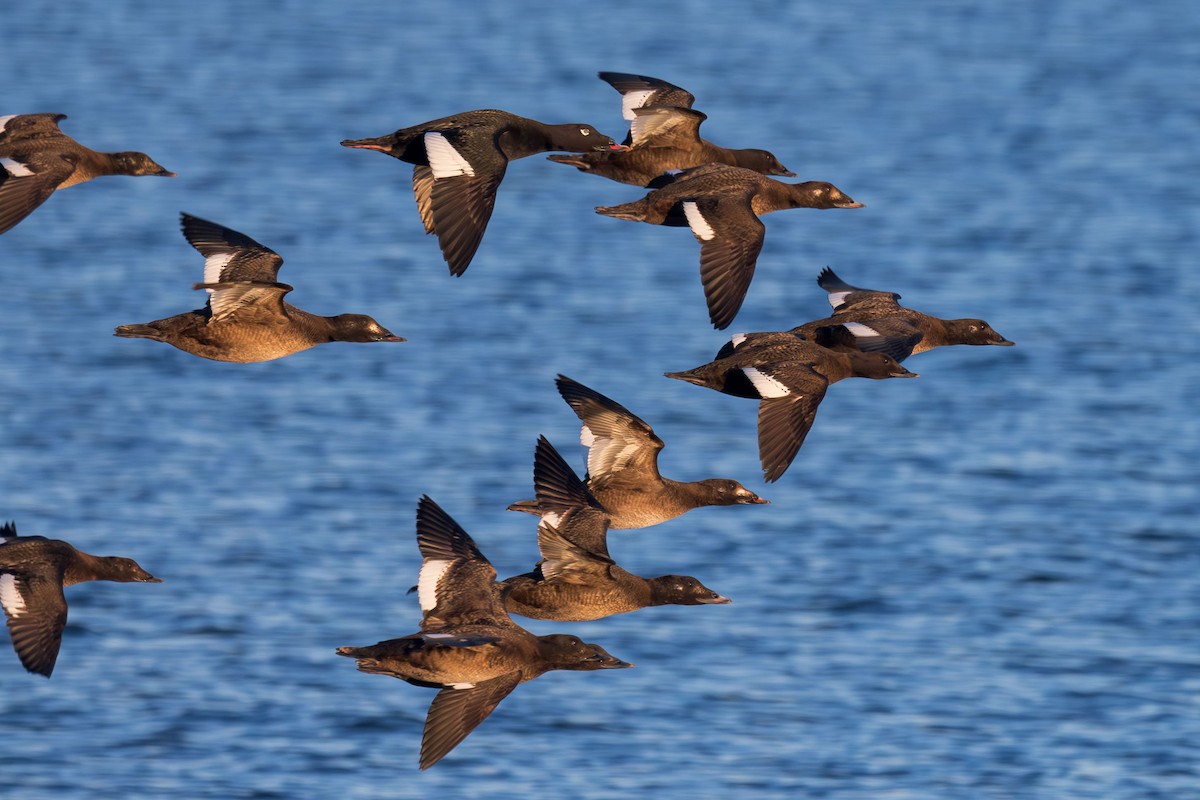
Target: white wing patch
pixel 10 596
pixel 696 220
pixel 460 685
pixel 767 386
pixel 737 339
pixel 4 121
pixel 632 100
pixel 439 636
pixel 859 330
pixel 214 265
pixel 552 518
pixel 836 299
pixel 444 160
pixel 428 580
pixel 15 168
pixel 586 437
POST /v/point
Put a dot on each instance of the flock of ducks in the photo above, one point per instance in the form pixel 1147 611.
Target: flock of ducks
pixel 468 646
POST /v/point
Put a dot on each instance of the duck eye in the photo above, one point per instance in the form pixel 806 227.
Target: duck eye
pixel 585 131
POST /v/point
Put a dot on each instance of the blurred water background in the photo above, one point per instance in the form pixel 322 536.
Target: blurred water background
pixel 979 584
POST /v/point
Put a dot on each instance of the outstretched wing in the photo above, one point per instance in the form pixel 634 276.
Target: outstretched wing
pixel 37 613
pixel 454 713
pixel 731 237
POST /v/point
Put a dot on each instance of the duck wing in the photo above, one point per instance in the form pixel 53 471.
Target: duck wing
pixel 893 335
pixel 455 712
pixel 731 237
pixel 28 176
pixel 36 609
pixel 456 584
pixel 844 297
pixel 238 271
pixel 466 167
pixel 791 393
pixel 622 448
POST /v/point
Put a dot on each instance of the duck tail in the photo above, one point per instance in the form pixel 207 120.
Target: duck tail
pixel 527 506
pixel 138 332
pixel 381 143
pixel 692 376
pixel 635 211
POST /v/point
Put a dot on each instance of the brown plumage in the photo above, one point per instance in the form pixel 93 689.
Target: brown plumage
pixel 874 321
pixel 37 159
pixel 246 318
pixel 33 572
pixel 722 205
pixel 468 646
pixel 642 91
pixel 577 579
pixel 622 471
pixel 459 163
pixel 663 139
pixel 789 376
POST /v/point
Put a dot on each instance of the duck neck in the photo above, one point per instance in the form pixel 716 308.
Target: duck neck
pixel 659 591
pixel 81 567
pixel 528 137
pixel 835 368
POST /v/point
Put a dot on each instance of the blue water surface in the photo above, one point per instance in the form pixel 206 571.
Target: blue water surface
pixel 978 584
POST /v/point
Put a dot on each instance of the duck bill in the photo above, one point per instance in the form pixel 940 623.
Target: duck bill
pixel 719 600
pixel 604 660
